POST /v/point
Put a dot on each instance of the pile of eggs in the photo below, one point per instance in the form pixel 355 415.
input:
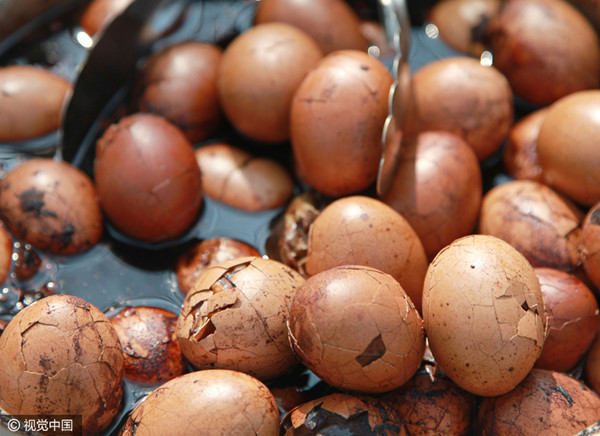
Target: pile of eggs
pixel 462 300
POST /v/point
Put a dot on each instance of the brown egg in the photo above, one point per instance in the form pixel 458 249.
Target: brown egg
pixel 240 180
pixel 591 367
pixel 356 329
pixel 343 414
pixel 567 146
pixel 180 84
pixel 572 319
pixel 213 402
pixel 235 317
pixel 590 244
pixel 143 199
pixel 150 348
pixel 484 314
pixel 534 219
pixel 437 188
pixel 545 403
pixel 589 8
pixel 52 205
pixel 259 73
pixel 520 157
pixel 337 150
pixel 546 48
pixel 433 407
pixel 332 23
pixel 31 101
pixel 99 13
pixel 461 23
pixel 27 261
pixel 197 258
pixel 461 96
pixel 61 356
pixel 6 252
pixel 360 230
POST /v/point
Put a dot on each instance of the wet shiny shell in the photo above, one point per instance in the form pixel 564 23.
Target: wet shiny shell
pixel 235 315
pixel 356 328
pixel 361 230
pixel 483 313
pixel 211 402
pixel 51 205
pixel 61 356
pixel 590 247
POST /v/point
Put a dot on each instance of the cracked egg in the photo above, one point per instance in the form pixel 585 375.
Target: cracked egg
pixel 61 356
pixel 483 311
pixel 590 244
pixel 235 315
pixel 356 329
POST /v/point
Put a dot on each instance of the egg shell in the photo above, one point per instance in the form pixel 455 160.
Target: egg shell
pixel 243 181
pixel 567 146
pixel 212 402
pixel 337 150
pixel 483 313
pixel 6 252
pixel 147 177
pixel 51 205
pixel 545 403
pixel 461 96
pixel 258 75
pixel 591 365
pixel 437 188
pixel 590 244
pixel 31 100
pixel 61 356
pixel 235 315
pixel 99 13
pixel 356 328
pixel 333 24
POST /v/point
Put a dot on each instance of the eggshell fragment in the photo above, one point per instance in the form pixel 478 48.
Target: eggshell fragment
pixel 590 244
pixel 61 356
pixel 483 313
pixel 235 315
pixel 213 402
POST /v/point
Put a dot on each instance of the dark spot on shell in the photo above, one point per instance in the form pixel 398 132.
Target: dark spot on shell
pixel 364 67
pixel 32 201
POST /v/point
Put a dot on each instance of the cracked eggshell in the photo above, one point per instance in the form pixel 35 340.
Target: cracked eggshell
pixel 51 205
pixel 483 312
pixel 356 329
pixel 546 403
pixel 540 223
pixel 213 402
pixel 235 315
pixel 243 181
pixel 590 244
pixel 343 414
pixel 143 199
pixel 61 356
pixel 360 230
pixel 337 150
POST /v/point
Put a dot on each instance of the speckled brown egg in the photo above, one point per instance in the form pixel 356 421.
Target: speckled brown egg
pixel 259 73
pixel 572 319
pixel 462 96
pixel 355 328
pixel 147 177
pixel 99 13
pixel 567 146
pixel 195 259
pixel 31 100
pixel 343 414
pixel 235 315
pixel 545 403
pixel 180 84
pixel 332 23
pixel 212 403
pixel 437 188
pixel 483 312
pixel 337 149
pixel 61 356
pixel 520 156
pixel 239 179
pixel 52 205
pixel 537 221
pixel 546 48
pixel 360 230
pixel 150 348
pixel 590 244
pixel 6 251
pixel 433 406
